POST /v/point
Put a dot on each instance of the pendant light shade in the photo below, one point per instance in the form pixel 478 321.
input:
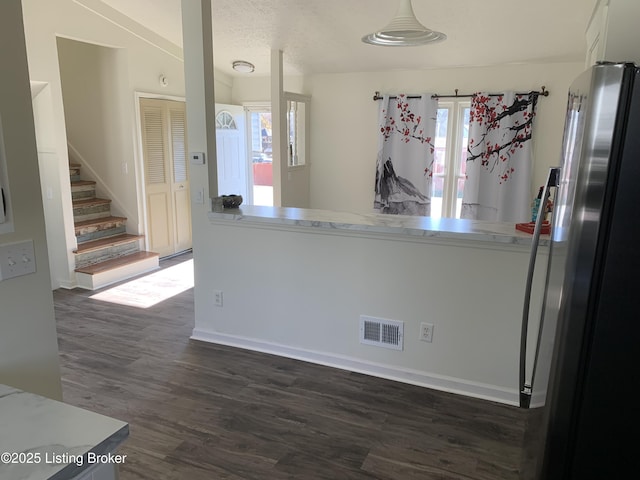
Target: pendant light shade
pixel 404 30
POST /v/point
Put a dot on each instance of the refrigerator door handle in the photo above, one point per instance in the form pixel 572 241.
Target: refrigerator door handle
pixel 553 180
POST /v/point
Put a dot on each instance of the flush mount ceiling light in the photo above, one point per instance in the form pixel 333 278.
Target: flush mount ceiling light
pixel 243 67
pixel 404 30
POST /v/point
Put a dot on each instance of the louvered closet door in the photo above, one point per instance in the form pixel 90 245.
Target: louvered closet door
pixel 166 176
pixel 180 177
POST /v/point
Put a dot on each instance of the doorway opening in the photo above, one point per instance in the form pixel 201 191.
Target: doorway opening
pixel 260 140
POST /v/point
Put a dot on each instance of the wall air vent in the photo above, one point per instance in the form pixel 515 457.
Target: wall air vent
pixel 381 332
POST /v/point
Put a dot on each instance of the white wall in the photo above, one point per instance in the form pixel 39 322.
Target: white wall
pixel 344 142
pixel 140 57
pixel 344 117
pixel 28 341
pixel 299 292
pixel 98 108
pixel 54 185
pixel 247 89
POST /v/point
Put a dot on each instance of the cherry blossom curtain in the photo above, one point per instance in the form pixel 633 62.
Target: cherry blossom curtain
pixel 499 158
pixel 407 129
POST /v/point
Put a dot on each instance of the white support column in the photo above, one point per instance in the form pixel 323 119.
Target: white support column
pixel 279 130
pixel 197 32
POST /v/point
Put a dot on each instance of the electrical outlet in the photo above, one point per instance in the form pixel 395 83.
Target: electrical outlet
pixel 217 298
pixel 426 332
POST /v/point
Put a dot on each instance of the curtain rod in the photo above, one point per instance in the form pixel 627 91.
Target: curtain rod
pixel 543 92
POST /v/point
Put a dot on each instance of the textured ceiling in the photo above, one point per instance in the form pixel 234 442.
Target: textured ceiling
pixel 323 36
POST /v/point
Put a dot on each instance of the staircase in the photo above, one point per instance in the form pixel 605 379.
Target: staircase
pixel 106 253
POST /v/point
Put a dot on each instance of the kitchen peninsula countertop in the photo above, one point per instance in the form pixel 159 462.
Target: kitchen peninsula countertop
pixel 375 223
pixel 39 432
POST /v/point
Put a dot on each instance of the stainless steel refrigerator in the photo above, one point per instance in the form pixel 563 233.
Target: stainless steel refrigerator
pixel 582 388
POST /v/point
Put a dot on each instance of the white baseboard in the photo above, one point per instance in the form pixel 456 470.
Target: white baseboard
pixel 66 285
pixel 413 377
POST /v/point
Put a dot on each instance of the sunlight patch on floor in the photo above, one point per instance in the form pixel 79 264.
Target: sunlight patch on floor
pixel 151 289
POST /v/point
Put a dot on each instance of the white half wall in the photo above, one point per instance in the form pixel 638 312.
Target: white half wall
pixel 300 293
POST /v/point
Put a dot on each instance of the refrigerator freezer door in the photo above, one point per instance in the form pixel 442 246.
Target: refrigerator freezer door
pixel 586 188
pixel 606 414
pixel 592 110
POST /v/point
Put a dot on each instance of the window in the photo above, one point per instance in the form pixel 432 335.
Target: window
pixel 297 124
pixel 449 172
pixel 224 120
pixel 295 111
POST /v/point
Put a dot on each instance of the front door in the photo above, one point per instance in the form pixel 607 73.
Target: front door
pixel 166 173
pixel 231 151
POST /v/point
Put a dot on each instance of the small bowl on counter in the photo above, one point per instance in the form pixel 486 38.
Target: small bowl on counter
pixel 231 201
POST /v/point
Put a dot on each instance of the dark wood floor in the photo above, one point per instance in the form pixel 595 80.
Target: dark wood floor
pixel 201 411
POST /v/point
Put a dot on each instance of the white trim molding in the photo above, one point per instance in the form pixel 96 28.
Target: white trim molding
pixel 134 28
pixel 413 377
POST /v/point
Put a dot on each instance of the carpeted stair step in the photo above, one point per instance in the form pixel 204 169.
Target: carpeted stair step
pixel 99 227
pixel 83 189
pixel 107 248
pixel 91 208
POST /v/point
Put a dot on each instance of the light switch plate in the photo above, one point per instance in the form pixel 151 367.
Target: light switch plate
pixel 198 196
pixel 17 259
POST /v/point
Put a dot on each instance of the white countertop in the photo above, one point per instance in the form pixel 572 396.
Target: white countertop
pixel 426 227
pixel 47 432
